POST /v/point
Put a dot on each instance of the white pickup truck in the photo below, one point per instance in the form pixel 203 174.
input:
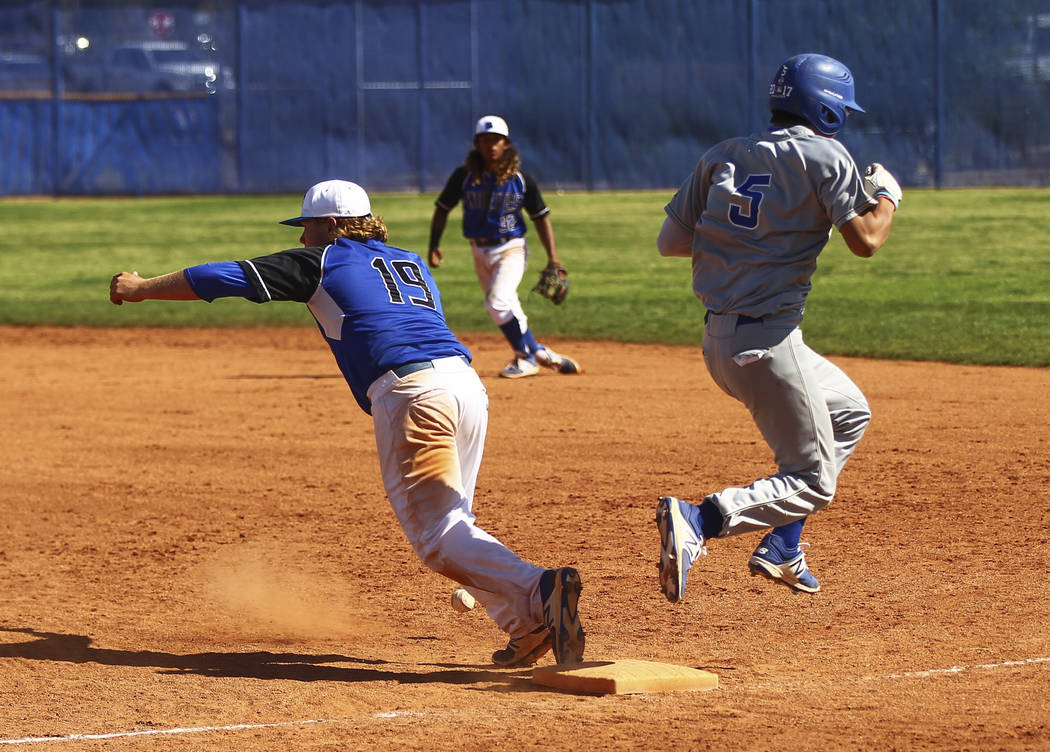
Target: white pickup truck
pixel 149 67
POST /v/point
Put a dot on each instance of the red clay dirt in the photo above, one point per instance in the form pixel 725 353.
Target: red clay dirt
pixel 197 554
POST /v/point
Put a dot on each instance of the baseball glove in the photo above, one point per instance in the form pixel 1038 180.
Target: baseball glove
pixel 554 283
pixel 878 181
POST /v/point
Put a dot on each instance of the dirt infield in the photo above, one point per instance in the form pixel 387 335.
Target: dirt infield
pixel 197 554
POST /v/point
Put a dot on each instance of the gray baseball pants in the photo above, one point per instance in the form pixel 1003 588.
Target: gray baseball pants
pixel 809 412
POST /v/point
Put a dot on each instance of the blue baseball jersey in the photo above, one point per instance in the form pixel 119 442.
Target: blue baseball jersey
pixel 377 306
pixel 493 211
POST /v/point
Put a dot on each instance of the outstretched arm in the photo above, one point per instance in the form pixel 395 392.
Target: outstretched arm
pixel 130 287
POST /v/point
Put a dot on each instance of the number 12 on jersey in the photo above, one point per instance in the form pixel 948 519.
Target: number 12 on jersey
pixel 747 216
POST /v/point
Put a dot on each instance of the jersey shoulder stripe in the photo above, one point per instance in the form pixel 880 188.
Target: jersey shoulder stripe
pixel 257 278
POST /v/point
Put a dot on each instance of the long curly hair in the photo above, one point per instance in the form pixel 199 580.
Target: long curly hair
pixel 509 164
pixel 360 229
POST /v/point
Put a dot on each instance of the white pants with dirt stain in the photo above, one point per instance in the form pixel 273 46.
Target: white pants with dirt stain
pixel 430 433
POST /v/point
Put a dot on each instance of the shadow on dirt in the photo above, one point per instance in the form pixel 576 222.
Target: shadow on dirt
pixel 70 648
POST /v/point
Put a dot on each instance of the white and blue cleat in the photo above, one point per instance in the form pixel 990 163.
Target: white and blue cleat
pixel 770 561
pixel 680 545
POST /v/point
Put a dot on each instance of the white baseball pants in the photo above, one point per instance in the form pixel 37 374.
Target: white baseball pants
pixel 500 269
pixel 430 433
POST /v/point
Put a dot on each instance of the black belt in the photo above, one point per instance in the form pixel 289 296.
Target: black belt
pixel 490 241
pixel 740 318
pixel 420 365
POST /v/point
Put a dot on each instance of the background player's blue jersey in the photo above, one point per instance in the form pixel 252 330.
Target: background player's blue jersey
pixel 489 210
pixel 377 306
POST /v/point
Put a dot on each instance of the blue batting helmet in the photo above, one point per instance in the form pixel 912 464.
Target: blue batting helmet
pixel 817 88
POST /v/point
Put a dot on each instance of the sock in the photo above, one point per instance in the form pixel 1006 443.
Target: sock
pixel 710 520
pixel 787 536
pixel 512 331
pixel 530 342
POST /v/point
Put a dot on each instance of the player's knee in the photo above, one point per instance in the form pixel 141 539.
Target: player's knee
pixel 850 425
pixel 432 554
pixel 439 551
pixel 500 315
pixel 821 480
pixel 822 492
pixel 432 559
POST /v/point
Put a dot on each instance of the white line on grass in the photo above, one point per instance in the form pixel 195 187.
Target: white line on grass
pixel 398 714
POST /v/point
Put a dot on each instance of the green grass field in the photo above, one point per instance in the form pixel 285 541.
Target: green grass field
pixel 965 276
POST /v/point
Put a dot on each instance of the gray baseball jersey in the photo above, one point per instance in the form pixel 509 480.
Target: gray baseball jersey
pixel 767 203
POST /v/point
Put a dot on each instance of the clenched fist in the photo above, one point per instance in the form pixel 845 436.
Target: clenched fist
pixel 125 286
pixel 880 182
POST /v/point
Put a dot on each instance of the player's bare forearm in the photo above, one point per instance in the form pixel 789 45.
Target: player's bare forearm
pixel 545 230
pixel 130 287
pixel 868 232
pixel 437 229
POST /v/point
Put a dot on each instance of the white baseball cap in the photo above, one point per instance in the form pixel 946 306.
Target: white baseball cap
pixel 492 124
pixel 333 198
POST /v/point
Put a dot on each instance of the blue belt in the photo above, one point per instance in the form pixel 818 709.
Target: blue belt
pixel 420 365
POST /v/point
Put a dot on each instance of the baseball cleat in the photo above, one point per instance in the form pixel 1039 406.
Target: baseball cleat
pixel 519 368
pixel 769 561
pixel 560 591
pixel 560 363
pixel 526 650
pixel 680 546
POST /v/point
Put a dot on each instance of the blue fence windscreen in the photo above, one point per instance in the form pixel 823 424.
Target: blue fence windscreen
pixel 266 96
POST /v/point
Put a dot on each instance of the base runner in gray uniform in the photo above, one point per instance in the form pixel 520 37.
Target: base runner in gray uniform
pixel 754 216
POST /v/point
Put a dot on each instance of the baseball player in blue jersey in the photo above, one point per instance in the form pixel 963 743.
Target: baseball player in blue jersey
pixel 494 191
pixel 754 216
pixel 380 312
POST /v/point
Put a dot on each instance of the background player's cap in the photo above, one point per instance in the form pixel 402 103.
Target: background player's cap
pixel 333 198
pixel 492 124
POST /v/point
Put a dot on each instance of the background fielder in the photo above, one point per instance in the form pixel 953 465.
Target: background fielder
pixel 494 190
pixel 754 216
pixel 380 313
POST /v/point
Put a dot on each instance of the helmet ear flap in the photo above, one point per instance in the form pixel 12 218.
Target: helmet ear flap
pixel 831 119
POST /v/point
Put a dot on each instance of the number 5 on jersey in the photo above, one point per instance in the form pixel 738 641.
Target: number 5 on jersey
pixel 747 216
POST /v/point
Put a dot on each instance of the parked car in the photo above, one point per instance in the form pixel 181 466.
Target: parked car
pixel 24 72
pixel 153 66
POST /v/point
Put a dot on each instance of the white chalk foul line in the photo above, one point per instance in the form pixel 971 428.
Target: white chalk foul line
pixel 961 669
pixel 907 674
pixel 195 729
pixel 398 714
